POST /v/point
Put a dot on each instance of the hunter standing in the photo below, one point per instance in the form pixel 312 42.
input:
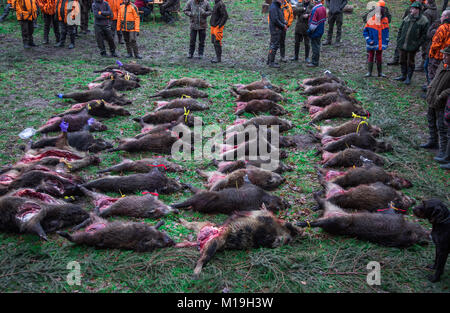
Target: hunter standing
pixel 376 34
pixel 198 11
pixel 26 12
pixel 102 24
pixel 316 28
pixel 128 23
pixel 218 19
pixel 335 16
pixel 115 5
pixel 167 8
pixel 411 35
pixel 85 9
pixel 48 8
pixel 288 14
pixel 277 25
pixel 68 14
pixel 302 11
pixel 440 41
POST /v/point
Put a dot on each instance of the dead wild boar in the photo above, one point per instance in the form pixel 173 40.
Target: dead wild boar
pixel 166 116
pixel 179 92
pixel 160 142
pixel 140 237
pixel 326 87
pixel 366 174
pixel 22 215
pixel 76 165
pixel 362 140
pixel 267 120
pixel 264 83
pixel 328 98
pixel 99 108
pixel 144 166
pixel 267 180
pixel 235 138
pixel 153 180
pixel 117 82
pixel 337 109
pixel 146 206
pixel 188 82
pixel 134 68
pixel 47 156
pixel 228 200
pixel 108 94
pixel 349 127
pixel 260 94
pixel 350 157
pixel 231 166
pixel 326 78
pixel 372 197
pixel 257 106
pixel 80 140
pixel 77 122
pixel 242 230
pixel 251 148
pixel 119 72
pixel 390 230
pixel 32 194
pixel 190 104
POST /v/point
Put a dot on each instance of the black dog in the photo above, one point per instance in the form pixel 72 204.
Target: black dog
pixel 439 216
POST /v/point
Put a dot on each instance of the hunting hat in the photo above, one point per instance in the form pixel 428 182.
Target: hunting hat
pixel 446 50
pixel 381 3
pixel 416 4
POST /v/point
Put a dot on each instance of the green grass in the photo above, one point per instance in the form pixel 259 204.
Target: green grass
pixel 318 263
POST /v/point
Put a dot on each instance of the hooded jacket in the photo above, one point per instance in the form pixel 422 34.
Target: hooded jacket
pixel 198 13
pixel 128 19
pixel 439 90
pixel 276 17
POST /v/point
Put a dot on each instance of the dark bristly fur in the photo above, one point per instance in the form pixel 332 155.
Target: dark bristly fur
pixel 179 92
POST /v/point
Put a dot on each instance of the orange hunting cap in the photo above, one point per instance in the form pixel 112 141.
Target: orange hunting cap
pixel 381 3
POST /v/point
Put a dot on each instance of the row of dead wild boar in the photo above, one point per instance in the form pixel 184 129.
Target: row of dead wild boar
pixel 38 188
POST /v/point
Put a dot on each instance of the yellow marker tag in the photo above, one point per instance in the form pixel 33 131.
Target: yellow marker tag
pixel 127 76
pixel 98 101
pixel 121 195
pixel 69 166
pixel 362 122
pixel 112 77
pixel 71 197
pixel 186 113
pixel 89 106
pixel 357 116
pixel 185 96
pixel 309 225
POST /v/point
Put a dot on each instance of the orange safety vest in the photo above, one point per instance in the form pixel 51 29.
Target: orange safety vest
pixel 441 40
pixel 47 6
pixel 26 10
pixel 115 6
pixel 128 18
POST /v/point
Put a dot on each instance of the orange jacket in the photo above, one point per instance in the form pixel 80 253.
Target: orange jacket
pixel 115 6
pixel 62 10
pixel 288 13
pixel 129 21
pixel 26 10
pixel 441 40
pixel 47 6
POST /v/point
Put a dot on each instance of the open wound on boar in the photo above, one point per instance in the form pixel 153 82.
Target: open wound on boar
pixel 371 197
pixel 22 215
pixel 99 108
pixel 34 156
pixel 390 230
pixel 146 206
pixel 35 195
pixel 350 157
pixel 362 140
pixel 265 179
pixel 119 72
pixel 325 88
pixel 242 230
pixel 261 94
pixel 248 197
pixel 77 122
pixel 100 233
pixel 349 127
pixel 337 109
pixel 153 180
pixel 143 166
pixel 258 106
pixel 160 142
pixel 366 174
pixel 190 104
pixel 188 82
pixel 179 92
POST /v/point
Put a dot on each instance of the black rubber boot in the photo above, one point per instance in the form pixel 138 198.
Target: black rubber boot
pixel 431 144
pixel 218 49
pixel 380 70
pixel 369 69
pixel 409 75
pixel 404 72
pixel 443 155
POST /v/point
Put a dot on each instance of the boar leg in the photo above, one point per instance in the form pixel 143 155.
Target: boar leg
pixel 208 252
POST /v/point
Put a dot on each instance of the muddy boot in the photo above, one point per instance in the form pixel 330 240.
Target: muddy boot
pixel 409 75
pixel 380 70
pixel 120 38
pixel 136 52
pixel 369 69
pixel 445 166
pixel 404 71
pixel 443 155
pixel 218 49
pixel 272 60
pixel 72 41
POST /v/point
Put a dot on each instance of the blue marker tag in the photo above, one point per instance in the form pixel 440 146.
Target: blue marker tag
pixel 119 63
pixel 60 95
pixel 91 121
pixel 64 126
